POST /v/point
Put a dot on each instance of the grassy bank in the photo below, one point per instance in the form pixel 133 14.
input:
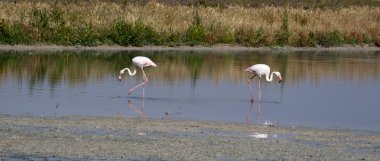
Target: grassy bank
pixel 174 23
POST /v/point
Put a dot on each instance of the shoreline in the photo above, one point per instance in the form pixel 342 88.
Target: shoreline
pixel 110 138
pixel 124 138
pixel 179 48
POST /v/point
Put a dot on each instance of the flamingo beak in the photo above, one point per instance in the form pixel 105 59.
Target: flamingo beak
pixel 280 80
pixel 120 78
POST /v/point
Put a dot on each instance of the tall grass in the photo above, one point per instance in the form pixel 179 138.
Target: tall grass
pixel 152 23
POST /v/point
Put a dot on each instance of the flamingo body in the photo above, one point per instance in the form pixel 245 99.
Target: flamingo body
pixel 259 69
pixel 141 62
pixel 263 69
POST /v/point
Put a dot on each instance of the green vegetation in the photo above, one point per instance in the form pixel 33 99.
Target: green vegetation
pixel 137 34
pixel 282 35
pixel 195 34
pixel 174 23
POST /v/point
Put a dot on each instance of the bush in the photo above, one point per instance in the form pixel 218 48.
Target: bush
pixel 196 33
pixel 329 39
pixel 125 34
pixel 377 41
pixel 282 36
pixel 74 36
pixel 13 34
pixel 258 39
pixel 229 37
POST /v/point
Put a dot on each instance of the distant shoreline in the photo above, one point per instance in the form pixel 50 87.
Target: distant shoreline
pixel 179 48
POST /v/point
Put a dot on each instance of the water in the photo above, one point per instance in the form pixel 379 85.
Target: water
pixel 320 89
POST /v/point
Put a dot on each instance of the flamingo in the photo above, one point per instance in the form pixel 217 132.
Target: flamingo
pixel 141 62
pixel 259 70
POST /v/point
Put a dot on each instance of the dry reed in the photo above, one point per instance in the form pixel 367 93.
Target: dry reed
pixel 232 24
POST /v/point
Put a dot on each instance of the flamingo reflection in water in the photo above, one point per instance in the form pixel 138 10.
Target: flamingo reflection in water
pixel 248 118
pixel 140 112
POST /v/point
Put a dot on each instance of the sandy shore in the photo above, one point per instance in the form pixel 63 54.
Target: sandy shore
pixel 114 138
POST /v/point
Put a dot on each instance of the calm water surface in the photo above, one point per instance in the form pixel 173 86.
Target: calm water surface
pixel 320 89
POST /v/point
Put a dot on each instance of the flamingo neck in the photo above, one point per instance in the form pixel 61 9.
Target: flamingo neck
pixel 129 71
pixel 269 78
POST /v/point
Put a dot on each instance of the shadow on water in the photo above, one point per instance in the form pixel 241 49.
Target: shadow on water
pixel 320 89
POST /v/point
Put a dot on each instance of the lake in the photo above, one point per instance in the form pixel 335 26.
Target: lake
pixel 322 89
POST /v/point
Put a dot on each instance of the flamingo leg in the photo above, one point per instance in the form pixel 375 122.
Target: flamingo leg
pixel 259 106
pixel 142 109
pixel 145 80
pixel 250 88
pixel 258 113
pixel 259 90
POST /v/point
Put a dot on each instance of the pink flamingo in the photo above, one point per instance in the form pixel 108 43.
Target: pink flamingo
pixel 259 70
pixel 139 61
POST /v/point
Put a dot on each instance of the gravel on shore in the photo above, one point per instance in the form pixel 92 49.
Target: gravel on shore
pixel 120 138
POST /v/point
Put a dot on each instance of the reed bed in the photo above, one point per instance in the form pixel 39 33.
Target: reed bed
pixel 93 23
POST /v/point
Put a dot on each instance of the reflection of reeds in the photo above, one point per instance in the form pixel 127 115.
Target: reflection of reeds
pixel 77 68
pixel 99 22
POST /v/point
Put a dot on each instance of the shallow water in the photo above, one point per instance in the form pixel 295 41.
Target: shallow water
pixel 320 89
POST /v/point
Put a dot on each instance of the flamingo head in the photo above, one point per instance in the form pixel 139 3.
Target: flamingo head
pixel 121 73
pixel 278 74
pixel 248 70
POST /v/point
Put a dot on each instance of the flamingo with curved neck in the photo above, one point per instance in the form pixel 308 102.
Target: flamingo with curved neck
pixel 141 62
pixel 259 70
pixel 129 72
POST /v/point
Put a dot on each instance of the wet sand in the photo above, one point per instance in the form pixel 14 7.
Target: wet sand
pixel 120 138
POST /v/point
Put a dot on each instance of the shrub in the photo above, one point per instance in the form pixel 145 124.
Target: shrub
pixel 329 39
pixel 13 34
pixel 144 35
pixel 229 37
pixel 258 39
pixel 377 41
pixel 125 34
pixel 195 34
pixel 282 36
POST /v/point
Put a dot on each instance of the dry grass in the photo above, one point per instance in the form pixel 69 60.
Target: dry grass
pixel 360 24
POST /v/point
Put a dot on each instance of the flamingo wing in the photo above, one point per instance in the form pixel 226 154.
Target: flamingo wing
pixel 142 61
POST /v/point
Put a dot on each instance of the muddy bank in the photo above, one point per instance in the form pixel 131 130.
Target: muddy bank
pixel 113 138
